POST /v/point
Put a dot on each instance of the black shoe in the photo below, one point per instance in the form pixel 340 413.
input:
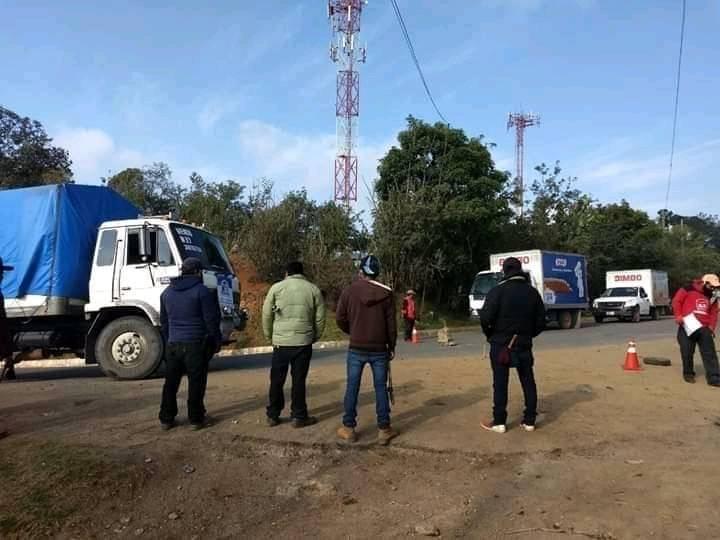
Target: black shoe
pixel 272 421
pixel 714 383
pixel 689 379
pixel 167 426
pixel 304 422
pixel 205 422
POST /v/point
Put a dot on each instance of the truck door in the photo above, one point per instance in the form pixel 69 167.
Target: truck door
pixel 144 279
pixel 644 302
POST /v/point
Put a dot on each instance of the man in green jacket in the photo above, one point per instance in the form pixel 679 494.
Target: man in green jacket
pixel 293 319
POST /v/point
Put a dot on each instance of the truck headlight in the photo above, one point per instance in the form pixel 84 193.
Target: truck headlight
pixel 630 303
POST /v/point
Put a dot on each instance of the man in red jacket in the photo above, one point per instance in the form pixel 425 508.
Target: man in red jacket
pixel 697 300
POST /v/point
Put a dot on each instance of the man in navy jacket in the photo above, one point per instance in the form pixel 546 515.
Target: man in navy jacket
pixel 190 324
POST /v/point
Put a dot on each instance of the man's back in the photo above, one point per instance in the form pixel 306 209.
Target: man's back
pixel 366 311
pixel 189 311
pixel 293 312
pixel 514 307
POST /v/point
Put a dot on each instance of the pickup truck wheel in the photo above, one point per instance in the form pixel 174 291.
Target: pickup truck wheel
pixel 565 319
pixel 636 315
pixel 599 318
pixel 129 348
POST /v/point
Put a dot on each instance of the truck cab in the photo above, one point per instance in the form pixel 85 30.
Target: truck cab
pixel 134 262
pixel 483 283
pixel 624 303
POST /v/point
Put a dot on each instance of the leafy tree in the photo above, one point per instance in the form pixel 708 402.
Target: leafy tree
pixel 441 206
pixel 27 157
pixel 151 188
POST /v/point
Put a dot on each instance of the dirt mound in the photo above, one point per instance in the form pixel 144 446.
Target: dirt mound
pixel 252 293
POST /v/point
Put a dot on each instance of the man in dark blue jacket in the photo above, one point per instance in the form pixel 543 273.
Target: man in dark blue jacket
pixel 513 314
pixel 190 324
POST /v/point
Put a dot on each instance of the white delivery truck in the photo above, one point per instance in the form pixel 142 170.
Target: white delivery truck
pixel 561 279
pixel 632 294
pixel 88 275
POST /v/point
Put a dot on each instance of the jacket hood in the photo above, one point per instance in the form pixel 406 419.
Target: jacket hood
pixel 516 276
pixel 183 283
pixel 372 292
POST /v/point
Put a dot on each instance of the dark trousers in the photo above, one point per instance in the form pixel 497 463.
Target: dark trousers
pixel 189 359
pixel 298 360
pixel 501 380
pixel 702 339
pixel 409 325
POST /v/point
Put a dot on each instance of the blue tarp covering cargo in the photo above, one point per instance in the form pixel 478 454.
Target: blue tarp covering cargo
pixel 48 234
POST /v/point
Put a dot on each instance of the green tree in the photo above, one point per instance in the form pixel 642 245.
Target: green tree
pixel 441 206
pixel 27 157
pixel 151 188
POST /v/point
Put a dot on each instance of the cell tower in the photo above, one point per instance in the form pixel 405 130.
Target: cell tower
pixel 521 121
pixel 344 18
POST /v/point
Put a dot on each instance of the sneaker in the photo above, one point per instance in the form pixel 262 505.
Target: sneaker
pixel 714 383
pixel 347 434
pixel 197 426
pixel 689 379
pixel 528 427
pixel 167 426
pixel 499 428
pixel 385 435
pixel 304 422
pixel 272 421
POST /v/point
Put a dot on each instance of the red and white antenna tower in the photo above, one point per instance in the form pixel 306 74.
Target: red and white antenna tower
pixel 521 121
pixel 344 17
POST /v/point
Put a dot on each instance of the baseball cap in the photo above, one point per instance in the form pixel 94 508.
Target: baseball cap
pixel 5 267
pixel 711 279
pixel 191 265
pixel 370 266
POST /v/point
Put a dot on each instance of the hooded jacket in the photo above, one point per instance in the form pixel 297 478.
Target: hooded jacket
pixel 293 313
pixel 513 307
pixel 366 311
pixel 694 299
pixel 189 312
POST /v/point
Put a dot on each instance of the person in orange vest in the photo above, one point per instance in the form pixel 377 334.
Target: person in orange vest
pixel 409 314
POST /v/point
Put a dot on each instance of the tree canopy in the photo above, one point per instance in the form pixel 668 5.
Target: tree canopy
pixel 27 157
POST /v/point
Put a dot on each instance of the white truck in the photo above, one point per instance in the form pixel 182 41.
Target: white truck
pixel 561 279
pixel 88 274
pixel 632 294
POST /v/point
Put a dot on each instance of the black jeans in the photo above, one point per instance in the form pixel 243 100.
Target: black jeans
pixel 298 360
pixel 409 325
pixel 501 379
pixel 703 339
pixel 189 359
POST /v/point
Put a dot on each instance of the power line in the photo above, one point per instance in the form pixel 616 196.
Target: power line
pixel 675 115
pixel 408 41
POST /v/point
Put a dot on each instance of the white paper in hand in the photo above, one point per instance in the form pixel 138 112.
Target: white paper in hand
pixel 691 324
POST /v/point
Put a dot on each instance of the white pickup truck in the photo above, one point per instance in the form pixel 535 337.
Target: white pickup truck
pixel 632 294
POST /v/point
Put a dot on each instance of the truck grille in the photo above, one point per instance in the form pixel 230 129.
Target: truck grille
pixel 610 306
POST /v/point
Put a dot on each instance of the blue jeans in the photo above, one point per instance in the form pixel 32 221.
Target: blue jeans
pixel 356 361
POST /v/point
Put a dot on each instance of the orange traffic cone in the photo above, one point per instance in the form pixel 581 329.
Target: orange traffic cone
pixel 632 362
pixel 415 336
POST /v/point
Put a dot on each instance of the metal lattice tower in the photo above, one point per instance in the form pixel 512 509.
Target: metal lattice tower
pixel 344 18
pixel 520 121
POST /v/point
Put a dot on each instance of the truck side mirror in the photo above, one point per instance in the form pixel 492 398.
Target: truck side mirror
pixel 145 242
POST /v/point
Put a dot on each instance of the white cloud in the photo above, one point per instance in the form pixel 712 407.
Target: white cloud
pixel 215 110
pixel 94 153
pixel 295 161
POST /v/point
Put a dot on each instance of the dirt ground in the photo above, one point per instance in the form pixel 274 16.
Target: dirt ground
pixel 616 455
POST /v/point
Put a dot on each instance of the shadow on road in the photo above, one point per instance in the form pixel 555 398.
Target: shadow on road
pixel 555 405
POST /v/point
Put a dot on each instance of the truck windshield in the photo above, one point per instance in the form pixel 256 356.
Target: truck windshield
pixel 620 291
pixel 194 242
pixel 483 283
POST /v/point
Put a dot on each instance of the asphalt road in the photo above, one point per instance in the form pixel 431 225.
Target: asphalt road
pixel 468 343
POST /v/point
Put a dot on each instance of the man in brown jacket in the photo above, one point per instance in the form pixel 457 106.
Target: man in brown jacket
pixel 366 311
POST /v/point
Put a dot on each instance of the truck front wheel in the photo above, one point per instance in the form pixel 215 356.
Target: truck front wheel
pixel 129 348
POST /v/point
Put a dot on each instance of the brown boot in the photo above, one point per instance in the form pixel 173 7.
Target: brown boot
pixel 347 434
pixel 385 435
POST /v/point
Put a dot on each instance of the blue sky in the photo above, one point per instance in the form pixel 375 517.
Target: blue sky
pixel 244 89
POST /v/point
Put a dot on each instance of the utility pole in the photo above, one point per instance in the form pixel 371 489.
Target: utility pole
pixel 520 121
pixel 344 18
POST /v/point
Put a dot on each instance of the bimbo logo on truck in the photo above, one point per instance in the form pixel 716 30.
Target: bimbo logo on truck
pixel 628 277
pixel 525 259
